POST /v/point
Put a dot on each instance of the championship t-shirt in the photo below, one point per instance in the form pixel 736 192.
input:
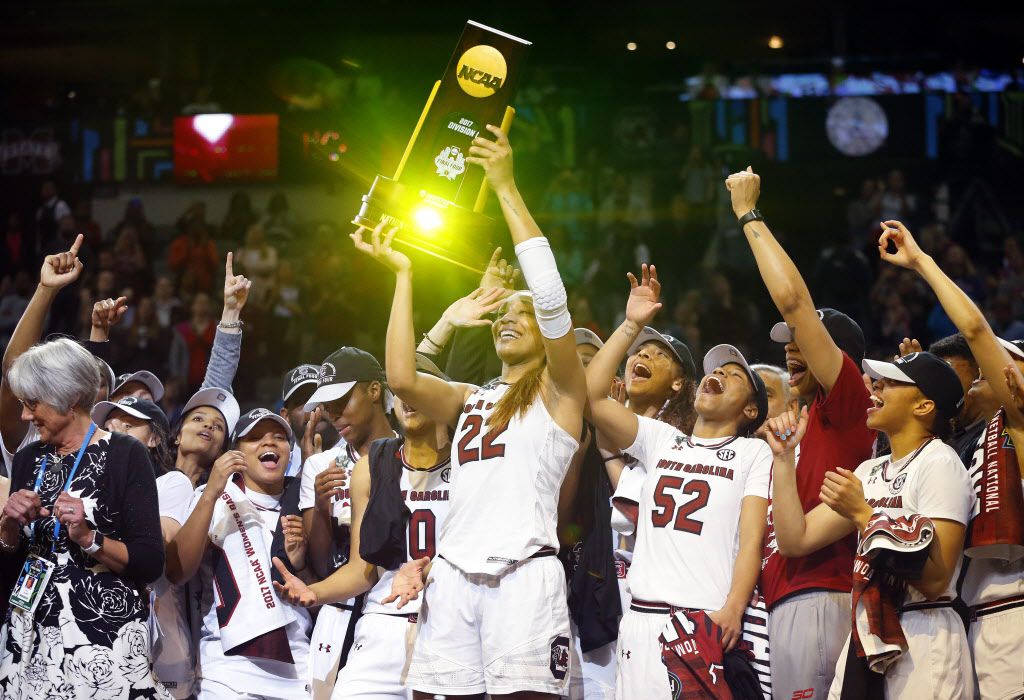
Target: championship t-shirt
pixel 837 436
pixel 687 535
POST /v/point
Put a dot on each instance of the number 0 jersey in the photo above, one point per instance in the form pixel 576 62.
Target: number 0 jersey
pixel 426 492
pixel 687 534
pixel 505 483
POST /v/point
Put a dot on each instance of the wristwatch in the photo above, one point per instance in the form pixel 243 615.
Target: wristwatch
pixel 97 542
pixel 752 215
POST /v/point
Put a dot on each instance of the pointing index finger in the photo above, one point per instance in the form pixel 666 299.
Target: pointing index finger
pixel 76 245
pixel 228 267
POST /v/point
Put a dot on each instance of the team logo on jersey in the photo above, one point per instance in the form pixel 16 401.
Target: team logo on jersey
pixel 559 657
pixel 446 475
pixel 725 454
pixel 680 440
pixel 450 162
pixel 897 483
pixel 675 685
pixel 620 569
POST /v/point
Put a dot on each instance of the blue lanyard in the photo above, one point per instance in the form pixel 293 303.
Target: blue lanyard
pixel 71 476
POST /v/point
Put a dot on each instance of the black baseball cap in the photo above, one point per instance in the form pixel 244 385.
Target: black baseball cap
pixel 133 406
pixel 341 371
pixel 722 355
pixel 678 348
pixel 844 331
pixel 247 421
pixel 929 373
pixel 296 377
pixel 147 379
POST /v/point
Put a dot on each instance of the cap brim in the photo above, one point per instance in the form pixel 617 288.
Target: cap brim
pixel 724 354
pixel 328 392
pixel 781 333
pixel 1015 352
pixel 295 388
pixel 150 380
pixel 271 416
pixel 102 410
pixel 228 407
pixel 648 334
pixel 876 369
pixel 585 336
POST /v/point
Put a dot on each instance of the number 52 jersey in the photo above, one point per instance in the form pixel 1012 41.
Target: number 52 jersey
pixel 687 535
pixel 505 484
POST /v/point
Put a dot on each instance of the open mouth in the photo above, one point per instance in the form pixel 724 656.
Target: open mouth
pixel 407 410
pixel 205 435
pixel 641 371
pixel 712 385
pixel 796 370
pixel 876 402
pixel 508 334
pixel 269 459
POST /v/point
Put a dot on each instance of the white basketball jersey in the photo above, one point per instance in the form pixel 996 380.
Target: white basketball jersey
pixel 505 484
pixel 688 527
pixel 930 481
pixel 427 494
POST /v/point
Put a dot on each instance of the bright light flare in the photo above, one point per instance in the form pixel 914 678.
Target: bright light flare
pixel 775 42
pixel 427 219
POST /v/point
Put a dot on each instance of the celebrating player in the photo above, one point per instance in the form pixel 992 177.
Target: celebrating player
pixel 994 582
pixel 409 481
pixel 914 399
pixel 702 505
pixel 495 620
pixel 809 597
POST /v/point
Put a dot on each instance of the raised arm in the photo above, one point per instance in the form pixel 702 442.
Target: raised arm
pixel 356 576
pixel 797 533
pixel 992 357
pixel 785 285
pixel 184 553
pixel 617 424
pixel 58 271
pixel 227 342
pixel 541 274
pixel 439 400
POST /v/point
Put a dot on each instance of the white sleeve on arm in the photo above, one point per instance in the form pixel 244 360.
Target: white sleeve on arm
pixel 651 436
pixel 550 303
pixel 174 491
pixel 760 472
pixel 313 466
pixel 944 490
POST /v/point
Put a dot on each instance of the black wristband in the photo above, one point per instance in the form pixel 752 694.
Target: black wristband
pixel 752 215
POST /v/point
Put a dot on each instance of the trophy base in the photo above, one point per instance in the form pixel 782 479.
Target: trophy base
pixel 428 223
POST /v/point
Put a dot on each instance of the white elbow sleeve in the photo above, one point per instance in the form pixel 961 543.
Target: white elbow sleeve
pixel 541 274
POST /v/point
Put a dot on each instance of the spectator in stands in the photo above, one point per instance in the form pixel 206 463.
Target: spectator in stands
pixel 135 216
pixel 258 261
pixel 724 317
pixel 192 342
pixel 16 246
pixel 144 344
pixel 1011 276
pixel 13 304
pixel 86 225
pixel 193 254
pixel 280 223
pixel 130 260
pixel 238 218
pixel 48 217
pixel 167 305
pixel 862 215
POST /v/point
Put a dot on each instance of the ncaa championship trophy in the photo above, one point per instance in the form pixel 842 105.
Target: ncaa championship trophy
pixel 433 188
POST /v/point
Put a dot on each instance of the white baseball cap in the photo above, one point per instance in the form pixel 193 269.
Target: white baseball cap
pixel 585 336
pixel 221 399
pixel 148 379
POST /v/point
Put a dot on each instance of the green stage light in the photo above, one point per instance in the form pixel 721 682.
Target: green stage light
pixel 427 218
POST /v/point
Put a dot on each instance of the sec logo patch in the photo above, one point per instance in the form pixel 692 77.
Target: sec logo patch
pixel 725 454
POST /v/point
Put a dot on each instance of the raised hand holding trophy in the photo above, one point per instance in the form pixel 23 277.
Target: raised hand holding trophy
pixel 434 188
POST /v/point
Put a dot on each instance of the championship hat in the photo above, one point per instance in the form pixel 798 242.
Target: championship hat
pixel 722 355
pixel 676 346
pixel 929 373
pixel 341 371
pixel 585 336
pixel 143 409
pixel 296 377
pixel 148 379
pixel 844 331
pixel 221 399
pixel 247 421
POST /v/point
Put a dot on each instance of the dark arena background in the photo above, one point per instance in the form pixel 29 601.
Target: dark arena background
pixel 156 121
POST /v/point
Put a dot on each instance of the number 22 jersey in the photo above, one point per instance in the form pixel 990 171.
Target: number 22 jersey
pixel 687 535
pixel 505 484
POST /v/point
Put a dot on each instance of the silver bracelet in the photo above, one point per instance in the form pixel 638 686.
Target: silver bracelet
pixel 231 326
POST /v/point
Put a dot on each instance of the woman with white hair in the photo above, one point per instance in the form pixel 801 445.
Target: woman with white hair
pixel 83 526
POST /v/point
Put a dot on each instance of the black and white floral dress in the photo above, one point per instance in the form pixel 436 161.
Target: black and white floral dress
pixel 89 636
